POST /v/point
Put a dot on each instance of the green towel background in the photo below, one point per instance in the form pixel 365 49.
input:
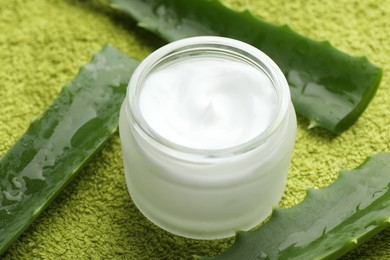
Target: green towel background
pixel 44 42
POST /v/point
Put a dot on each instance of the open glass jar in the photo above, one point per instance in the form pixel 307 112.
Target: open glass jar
pixel 206 192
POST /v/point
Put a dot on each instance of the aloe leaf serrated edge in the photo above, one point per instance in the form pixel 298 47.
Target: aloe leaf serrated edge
pixel 61 141
pixel 329 87
pixel 328 223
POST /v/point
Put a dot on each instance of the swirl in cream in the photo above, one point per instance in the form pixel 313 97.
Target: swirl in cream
pixel 208 103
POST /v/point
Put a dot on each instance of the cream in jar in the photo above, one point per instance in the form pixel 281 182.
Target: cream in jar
pixel 208 103
pixel 207 132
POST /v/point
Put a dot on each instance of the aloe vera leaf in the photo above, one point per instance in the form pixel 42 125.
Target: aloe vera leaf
pixel 328 87
pixel 328 223
pixel 61 141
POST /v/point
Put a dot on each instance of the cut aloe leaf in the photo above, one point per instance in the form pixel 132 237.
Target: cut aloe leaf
pixel 328 87
pixel 59 142
pixel 328 223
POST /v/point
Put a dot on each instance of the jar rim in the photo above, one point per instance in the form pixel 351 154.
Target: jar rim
pixel 220 45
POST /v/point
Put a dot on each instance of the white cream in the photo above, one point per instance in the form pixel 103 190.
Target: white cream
pixel 208 103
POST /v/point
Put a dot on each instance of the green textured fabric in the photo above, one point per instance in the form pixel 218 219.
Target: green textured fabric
pixel 44 42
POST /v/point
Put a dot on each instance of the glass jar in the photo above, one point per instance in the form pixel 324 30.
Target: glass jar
pixel 206 193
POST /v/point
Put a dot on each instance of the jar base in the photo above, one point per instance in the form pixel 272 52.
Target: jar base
pixel 195 230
